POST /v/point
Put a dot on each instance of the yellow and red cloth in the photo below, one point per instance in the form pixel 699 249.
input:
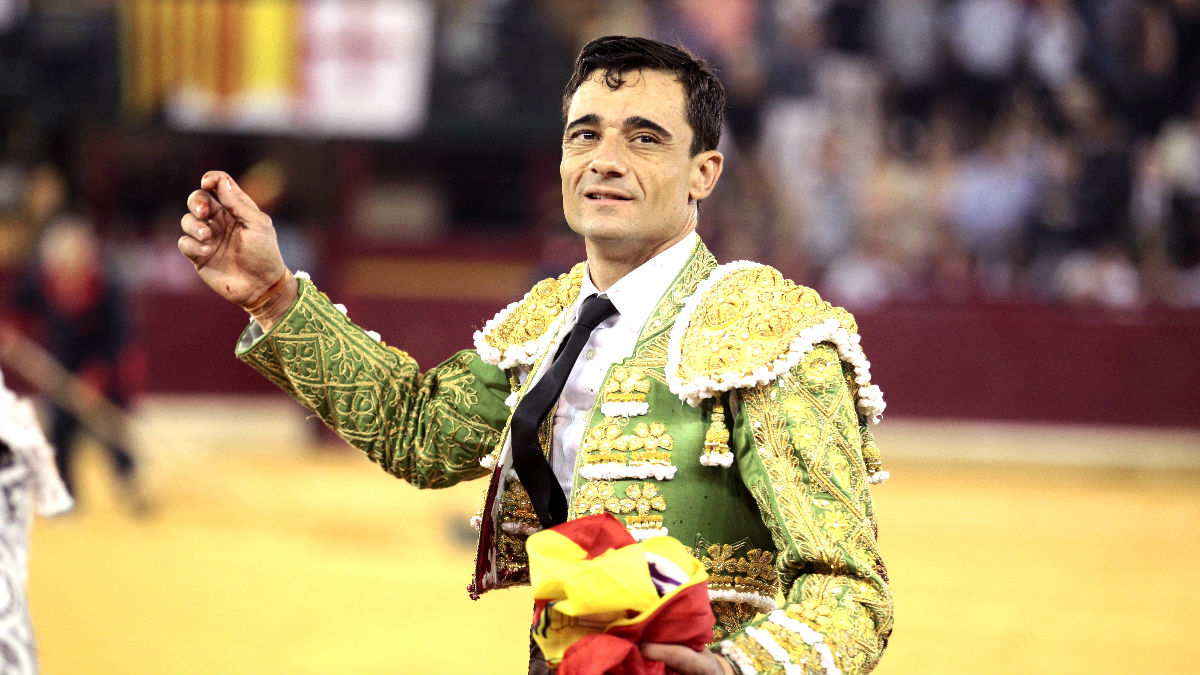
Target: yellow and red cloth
pixel 598 593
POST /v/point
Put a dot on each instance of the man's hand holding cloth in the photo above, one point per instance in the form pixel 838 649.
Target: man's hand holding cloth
pixel 598 593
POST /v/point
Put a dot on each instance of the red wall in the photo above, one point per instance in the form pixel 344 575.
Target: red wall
pixel 984 362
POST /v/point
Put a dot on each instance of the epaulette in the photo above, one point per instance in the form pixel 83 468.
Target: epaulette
pixel 521 331
pixel 746 325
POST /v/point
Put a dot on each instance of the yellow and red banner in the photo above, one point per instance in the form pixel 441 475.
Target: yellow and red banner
pixel 598 593
pixel 289 66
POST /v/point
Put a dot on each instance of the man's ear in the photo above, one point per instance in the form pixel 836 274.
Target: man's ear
pixel 706 169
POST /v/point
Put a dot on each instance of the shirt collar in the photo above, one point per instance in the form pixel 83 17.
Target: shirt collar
pixel 635 294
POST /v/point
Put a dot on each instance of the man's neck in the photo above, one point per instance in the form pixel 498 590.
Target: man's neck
pixel 609 262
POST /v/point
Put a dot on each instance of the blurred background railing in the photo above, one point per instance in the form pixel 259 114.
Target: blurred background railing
pixel 1006 193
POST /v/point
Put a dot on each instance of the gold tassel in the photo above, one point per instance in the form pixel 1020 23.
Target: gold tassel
pixel 716 439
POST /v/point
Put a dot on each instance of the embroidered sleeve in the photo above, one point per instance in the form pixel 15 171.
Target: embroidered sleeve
pixel 799 442
pixel 430 429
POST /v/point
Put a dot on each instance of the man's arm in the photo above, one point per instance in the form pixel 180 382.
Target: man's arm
pixel 799 443
pixel 430 429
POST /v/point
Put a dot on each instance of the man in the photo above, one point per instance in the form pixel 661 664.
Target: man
pixel 721 404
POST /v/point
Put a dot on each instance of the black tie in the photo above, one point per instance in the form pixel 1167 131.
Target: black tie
pixel 528 459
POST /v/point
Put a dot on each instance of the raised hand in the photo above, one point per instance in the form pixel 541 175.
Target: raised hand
pixel 232 244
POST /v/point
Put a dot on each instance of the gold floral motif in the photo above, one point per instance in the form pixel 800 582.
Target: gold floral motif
pixel 647 444
pixel 636 505
pixel 627 385
pixel 747 320
pixel 594 497
pixel 730 617
pixel 752 572
pixel 759 564
pixel 531 318
pixel 644 497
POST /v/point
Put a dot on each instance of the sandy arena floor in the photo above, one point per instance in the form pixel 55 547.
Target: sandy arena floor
pixel 1012 549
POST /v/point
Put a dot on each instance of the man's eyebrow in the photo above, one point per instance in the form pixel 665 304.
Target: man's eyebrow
pixel 634 122
pixel 639 122
pixel 590 119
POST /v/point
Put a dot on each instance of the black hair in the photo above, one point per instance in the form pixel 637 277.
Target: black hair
pixel 616 56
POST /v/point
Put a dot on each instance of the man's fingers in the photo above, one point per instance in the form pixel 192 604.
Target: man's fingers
pixel 681 659
pixel 194 251
pixel 198 229
pixel 230 196
pixel 202 204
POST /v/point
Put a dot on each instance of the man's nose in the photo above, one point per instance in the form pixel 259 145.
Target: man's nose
pixel 609 159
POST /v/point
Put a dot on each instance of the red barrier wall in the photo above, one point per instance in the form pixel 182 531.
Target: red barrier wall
pixel 984 362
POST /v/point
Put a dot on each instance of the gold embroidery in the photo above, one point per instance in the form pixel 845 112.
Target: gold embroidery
pixel 531 318
pixel 730 617
pixel 651 352
pixel 746 322
pixel 637 505
pixel 830 605
pixel 593 497
pixel 516 508
pixel 608 453
pixel 753 573
pixel 626 385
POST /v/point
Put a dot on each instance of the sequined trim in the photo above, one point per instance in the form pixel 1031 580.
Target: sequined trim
pixel 524 329
pixel 733 339
pixel 625 393
pixel 607 453
pixel 638 508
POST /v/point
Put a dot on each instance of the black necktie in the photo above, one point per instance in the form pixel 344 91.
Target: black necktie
pixel 528 459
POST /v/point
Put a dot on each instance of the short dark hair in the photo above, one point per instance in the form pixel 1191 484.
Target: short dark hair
pixel 617 55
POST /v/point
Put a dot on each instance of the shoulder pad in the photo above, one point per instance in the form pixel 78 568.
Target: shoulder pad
pixel 746 324
pixel 521 331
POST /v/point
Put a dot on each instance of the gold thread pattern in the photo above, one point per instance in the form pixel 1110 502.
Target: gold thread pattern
pixel 814 494
pixel 430 429
pixel 514 336
pixel 747 321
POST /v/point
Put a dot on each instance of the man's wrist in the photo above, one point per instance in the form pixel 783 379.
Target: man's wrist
pixel 274 302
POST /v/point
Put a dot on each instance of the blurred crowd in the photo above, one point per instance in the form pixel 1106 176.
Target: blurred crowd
pixel 930 150
pixel 1029 150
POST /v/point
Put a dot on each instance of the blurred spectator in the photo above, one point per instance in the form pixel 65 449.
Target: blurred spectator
pixel 28 483
pixel 69 299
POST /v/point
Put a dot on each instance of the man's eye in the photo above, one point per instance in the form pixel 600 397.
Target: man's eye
pixel 583 135
pixel 645 138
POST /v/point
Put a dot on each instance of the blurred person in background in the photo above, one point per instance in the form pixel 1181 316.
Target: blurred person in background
pixel 28 482
pixel 68 300
pixel 721 404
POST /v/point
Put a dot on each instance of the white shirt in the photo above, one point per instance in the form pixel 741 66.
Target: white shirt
pixel 635 296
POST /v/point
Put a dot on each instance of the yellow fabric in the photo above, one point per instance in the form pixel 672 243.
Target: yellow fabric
pixel 592 596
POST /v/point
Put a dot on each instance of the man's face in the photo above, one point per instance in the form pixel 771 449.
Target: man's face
pixel 627 176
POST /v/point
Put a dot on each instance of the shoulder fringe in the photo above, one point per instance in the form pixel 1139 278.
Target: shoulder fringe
pixel 870 398
pixel 523 354
pixel 513 355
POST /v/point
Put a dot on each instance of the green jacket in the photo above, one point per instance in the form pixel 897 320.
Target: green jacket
pixel 739 426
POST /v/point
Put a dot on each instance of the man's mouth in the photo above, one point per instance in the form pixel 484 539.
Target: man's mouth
pixel 597 195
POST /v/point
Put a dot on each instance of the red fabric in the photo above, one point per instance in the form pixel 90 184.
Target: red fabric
pixel 685 619
pixel 596 534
